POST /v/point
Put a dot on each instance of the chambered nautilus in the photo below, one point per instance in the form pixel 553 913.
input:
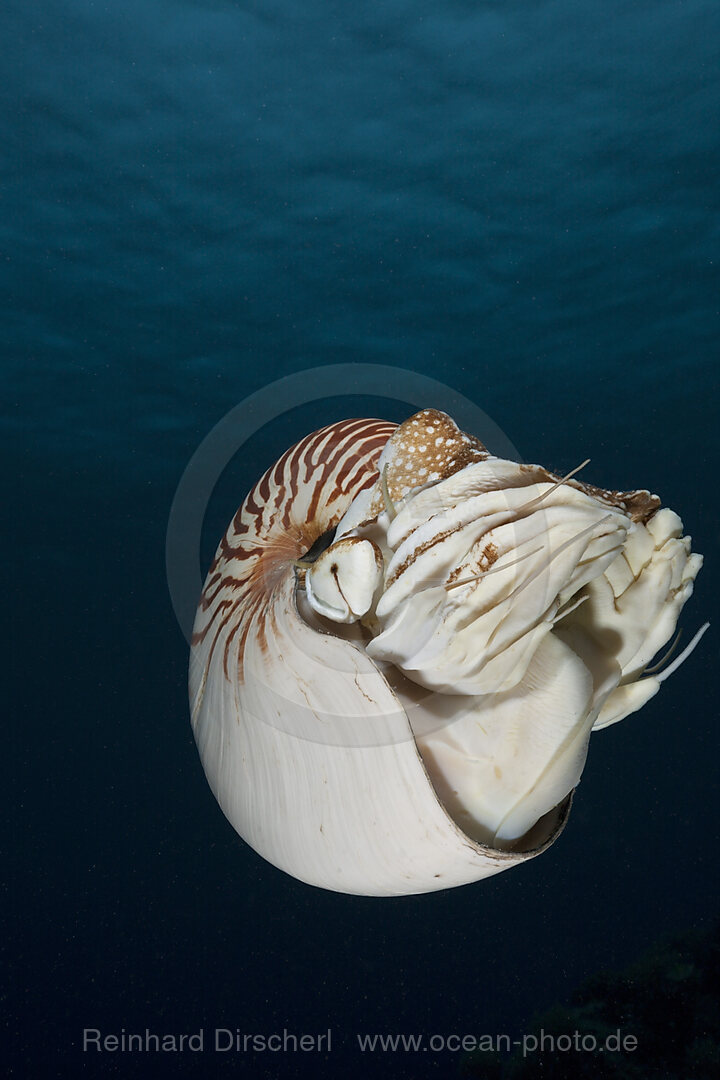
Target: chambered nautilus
pixel 404 643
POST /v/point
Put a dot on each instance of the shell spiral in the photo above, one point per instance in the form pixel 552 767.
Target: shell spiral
pixel 303 495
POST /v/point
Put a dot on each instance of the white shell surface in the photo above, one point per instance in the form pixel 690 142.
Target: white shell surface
pixel 358 819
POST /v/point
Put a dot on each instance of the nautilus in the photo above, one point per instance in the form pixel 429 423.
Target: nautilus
pixel 404 643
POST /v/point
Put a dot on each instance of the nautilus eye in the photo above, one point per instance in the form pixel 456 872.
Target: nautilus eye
pixel 404 643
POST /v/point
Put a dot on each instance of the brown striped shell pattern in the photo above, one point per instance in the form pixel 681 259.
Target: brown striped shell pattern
pixel 404 643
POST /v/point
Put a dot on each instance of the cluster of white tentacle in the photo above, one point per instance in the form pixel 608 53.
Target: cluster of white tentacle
pixel 529 606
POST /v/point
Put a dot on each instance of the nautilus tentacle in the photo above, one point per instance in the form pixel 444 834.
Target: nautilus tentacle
pixel 404 643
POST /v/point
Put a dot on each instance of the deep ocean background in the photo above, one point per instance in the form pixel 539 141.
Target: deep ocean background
pixel 521 200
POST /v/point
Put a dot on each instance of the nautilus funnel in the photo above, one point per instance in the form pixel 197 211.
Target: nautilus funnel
pixel 404 643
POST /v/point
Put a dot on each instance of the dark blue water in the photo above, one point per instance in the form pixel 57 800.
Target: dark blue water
pixel 518 199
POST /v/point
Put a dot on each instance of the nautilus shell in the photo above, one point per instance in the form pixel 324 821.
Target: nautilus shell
pixel 404 643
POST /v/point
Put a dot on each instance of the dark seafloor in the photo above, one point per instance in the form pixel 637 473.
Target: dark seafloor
pixel 518 199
